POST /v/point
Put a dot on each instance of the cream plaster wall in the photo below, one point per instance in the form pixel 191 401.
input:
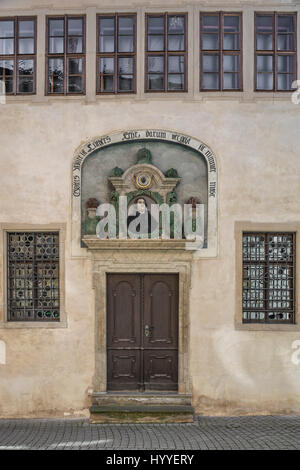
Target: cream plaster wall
pixel 49 371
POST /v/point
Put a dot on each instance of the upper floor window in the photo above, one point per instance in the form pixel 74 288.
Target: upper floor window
pixel 268 277
pixel 33 276
pixel 275 55
pixel 221 51
pixel 166 52
pixel 18 54
pixel 66 55
pixel 116 53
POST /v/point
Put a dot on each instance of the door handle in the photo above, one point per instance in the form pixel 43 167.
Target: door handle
pixel 147 330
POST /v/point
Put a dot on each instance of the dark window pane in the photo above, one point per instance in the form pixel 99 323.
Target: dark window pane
pixel 285 42
pixel 126 26
pixel 210 41
pixel 75 45
pixel 125 83
pixel 265 81
pixel 176 24
pixel 56 27
pixel 9 85
pixel 210 81
pixel 264 24
pixel 56 45
pixel 6 46
pixel 264 63
pixel 125 43
pixel 26 28
pixel 156 25
pixel 25 67
pixel 284 81
pixel 231 63
pixel 210 63
pixel 125 65
pixel 285 63
pixel 175 82
pixel 176 64
pixel 75 66
pixel 25 85
pixel 210 23
pixel 75 85
pixel 231 24
pixel 176 43
pixel 155 64
pixel 6 29
pixel 231 42
pixel 264 42
pixel 231 81
pixel 75 27
pixel 56 76
pixel 285 24
pixel 107 26
pixel 156 82
pixel 107 84
pixel 107 65
pixel 106 44
pixel 6 68
pixel 156 43
pixel 26 46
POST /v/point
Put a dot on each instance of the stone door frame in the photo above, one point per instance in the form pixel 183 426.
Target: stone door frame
pixel 102 267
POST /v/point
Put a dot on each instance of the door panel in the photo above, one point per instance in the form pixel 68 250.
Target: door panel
pixel 124 369
pixel 160 311
pixel 161 369
pixel 142 332
pixel 124 310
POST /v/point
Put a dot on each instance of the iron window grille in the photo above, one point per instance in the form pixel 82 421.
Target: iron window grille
pixel 269 277
pixel 275 51
pixel 221 51
pixel 65 51
pixel 166 53
pixel 116 53
pixel 18 55
pixel 33 276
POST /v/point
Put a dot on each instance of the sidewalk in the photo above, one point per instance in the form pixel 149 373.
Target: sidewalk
pixel 251 432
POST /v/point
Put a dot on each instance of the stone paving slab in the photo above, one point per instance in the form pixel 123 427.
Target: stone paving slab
pixel 213 433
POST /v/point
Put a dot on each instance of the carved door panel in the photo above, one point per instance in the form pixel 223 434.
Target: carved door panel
pixel 142 332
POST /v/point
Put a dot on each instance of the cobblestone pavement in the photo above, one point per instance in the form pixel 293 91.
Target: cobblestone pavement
pixel 251 432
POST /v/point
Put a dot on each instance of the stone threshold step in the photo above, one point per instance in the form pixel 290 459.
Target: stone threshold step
pixel 107 414
pixel 160 399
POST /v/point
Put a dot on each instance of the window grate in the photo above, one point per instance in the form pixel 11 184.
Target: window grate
pixel 33 276
pixel 268 277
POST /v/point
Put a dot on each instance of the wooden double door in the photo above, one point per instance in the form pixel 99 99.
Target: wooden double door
pixel 142 332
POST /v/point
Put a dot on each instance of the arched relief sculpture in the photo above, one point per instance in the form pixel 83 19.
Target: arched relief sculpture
pixel 160 166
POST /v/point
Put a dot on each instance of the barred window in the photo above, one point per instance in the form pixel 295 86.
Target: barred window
pixel 66 55
pixel 275 56
pixel 221 51
pixel 166 53
pixel 116 53
pixel 18 54
pixel 268 277
pixel 33 276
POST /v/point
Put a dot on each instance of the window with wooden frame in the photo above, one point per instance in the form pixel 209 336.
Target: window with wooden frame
pixel 116 53
pixel 275 51
pixel 65 49
pixel 166 52
pixel 33 276
pixel 269 277
pixel 18 54
pixel 221 51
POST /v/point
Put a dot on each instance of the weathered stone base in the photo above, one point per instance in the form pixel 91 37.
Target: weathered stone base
pixel 143 408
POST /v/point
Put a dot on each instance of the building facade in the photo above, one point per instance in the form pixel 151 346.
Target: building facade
pixel 167 103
